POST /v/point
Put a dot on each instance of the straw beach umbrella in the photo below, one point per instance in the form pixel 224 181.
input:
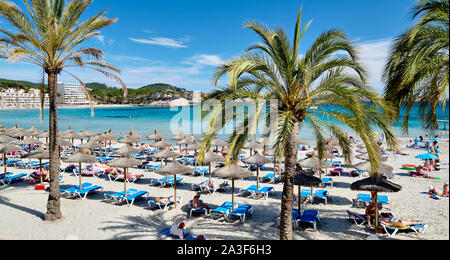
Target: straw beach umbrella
pixel 4 149
pixel 252 145
pixel 40 155
pixel 160 145
pixel 157 137
pixel 166 154
pixel 81 158
pixel 209 158
pixel 217 142
pixel 124 163
pixel 314 163
pixel 303 179
pixel 375 185
pixel 257 159
pixel 174 168
pixel 234 172
pixel 178 137
pixel 367 167
pixel 365 157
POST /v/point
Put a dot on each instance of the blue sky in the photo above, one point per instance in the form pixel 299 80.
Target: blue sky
pixel 181 42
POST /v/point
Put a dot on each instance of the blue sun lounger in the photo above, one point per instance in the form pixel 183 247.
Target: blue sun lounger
pixel 223 210
pixel 294 219
pixel 310 217
pixel 200 172
pixel 252 190
pixel 171 182
pixel 241 212
pixel 197 210
pixel 419 229
pixel 359 219
pixel 75 188
pixel 86 188
pixel 322 195
pixel 13 178
pixel 135 196
pixel 270 178
pixel 364 199
pixel 328 181
pixel 119 195
pixel 161 181
pixel 264 192
pixel 2 175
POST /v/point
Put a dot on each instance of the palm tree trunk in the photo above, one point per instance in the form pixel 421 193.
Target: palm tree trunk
pixel 287 200
pixel 54 203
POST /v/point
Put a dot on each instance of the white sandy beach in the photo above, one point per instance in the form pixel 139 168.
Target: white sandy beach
pixel 22 209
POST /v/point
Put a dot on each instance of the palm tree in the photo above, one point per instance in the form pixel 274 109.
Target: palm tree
pixel 323 76
pixel 48 36
pixel 417 69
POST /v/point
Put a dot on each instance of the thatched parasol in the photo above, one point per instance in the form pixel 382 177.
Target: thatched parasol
pixel 178 137
pixel 161 145
pixel 314 163
pixel 4 139
pixel 4 149
pixel 211 157
pixel 127 151
pixel 130 140
pixel 81 158
pixel 217 142
pixel 257 159
pixel 157 137
pixel 367 167
pixel 174 168
pixel 375 185
pixel 40 155
pixel 234 172
pixel 252 145
pixel 303 179
pixel 124 163
pixel 365 157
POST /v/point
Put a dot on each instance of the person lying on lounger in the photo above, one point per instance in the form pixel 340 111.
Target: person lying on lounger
pixel 37 175
pixel 437 191
pixel 399 223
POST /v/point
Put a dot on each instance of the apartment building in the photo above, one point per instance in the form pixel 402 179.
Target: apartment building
pixel 72 94
pixel 18 99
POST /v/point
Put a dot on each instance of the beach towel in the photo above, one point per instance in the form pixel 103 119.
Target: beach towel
pixel 189 237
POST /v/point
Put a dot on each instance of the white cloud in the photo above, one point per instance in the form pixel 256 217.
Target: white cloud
pixel 100 38
pixel 204 59
pixel 167 42
pixel 374 55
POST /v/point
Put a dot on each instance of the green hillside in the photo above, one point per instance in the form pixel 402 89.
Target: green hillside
pixel 104 94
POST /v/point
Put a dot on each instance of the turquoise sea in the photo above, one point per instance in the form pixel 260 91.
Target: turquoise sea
pixel 168 121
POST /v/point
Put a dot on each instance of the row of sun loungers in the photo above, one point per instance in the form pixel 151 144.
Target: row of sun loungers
pixel 225 210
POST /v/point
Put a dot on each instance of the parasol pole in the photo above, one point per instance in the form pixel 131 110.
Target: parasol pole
pixel 232 196
pixel 80 173
pixel 125 181
pixel 175 189
pixel 40 170
pixel 4 165
pixel 299 201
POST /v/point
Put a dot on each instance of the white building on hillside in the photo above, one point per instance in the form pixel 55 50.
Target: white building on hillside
pixel 72 94
pixel 15 99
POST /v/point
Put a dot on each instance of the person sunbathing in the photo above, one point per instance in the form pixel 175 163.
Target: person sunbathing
pixel 399 223
pixel 436 191
pixel 165 201
pixel 37 175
